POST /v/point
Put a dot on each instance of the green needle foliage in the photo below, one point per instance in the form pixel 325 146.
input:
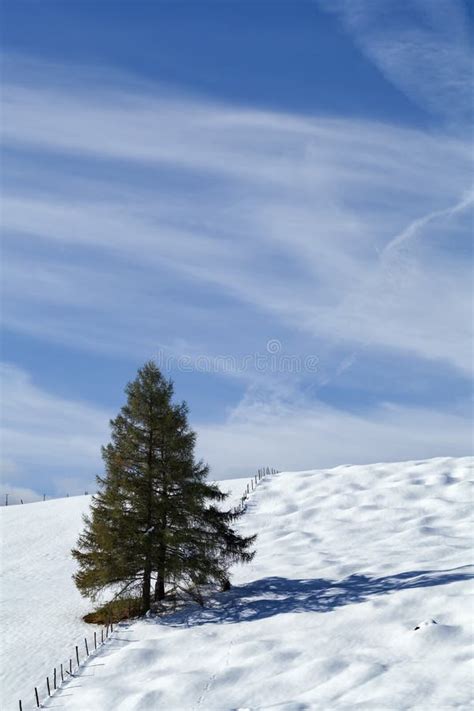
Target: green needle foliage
pixel 156 527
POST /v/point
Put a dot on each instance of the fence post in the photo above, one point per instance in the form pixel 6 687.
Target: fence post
pixel 102 635
pixel 77 654
pixel 54 678
pixel 37 698
pixel 70 666
pixel 47 684
pixel 95 640
pixel 87 648
pixel 21 707
pixel 62 674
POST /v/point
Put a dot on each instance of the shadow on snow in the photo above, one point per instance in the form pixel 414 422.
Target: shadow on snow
pixel 275 596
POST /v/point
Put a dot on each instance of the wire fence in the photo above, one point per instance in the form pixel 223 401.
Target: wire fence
pixel 13 500
pixel 252 485
pixel 69 667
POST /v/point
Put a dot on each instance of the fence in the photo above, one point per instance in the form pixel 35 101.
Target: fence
pixel 67 670
pixel 252 485
pixel 17 500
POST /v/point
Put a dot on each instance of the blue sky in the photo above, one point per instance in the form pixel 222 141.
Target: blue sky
pixel 273 199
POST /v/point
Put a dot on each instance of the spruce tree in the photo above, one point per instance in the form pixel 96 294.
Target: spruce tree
pixel 156 521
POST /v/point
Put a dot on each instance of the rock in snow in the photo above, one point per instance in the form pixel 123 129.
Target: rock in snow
pixel 348 561
pixel 426 623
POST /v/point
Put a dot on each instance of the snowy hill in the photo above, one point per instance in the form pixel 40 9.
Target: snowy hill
pixel 349 562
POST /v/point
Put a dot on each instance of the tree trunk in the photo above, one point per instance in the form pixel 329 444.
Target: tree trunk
pixel 146 593
pixel 160 587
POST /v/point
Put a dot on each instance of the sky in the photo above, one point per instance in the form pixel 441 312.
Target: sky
pixel 272 199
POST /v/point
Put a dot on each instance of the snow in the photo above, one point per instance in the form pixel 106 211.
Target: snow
pixel 41 610
pixel 349 562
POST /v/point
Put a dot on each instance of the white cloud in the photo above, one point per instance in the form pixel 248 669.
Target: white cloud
pixel 421 46
pixel 212 229
pixel 62 438
pixel 316 436
pixel 47 437
pixel 258 214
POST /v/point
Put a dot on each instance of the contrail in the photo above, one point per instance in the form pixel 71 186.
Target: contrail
pixel 412 229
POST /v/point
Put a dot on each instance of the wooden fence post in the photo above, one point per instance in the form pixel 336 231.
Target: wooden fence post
pixel 87 648
pixel 102 635
pixel 77 654
pixel 54 678
pixel 62 674
pixel 37 698
pixel 70 666
pixel 95 640
pixel 21 707
pixel 47 684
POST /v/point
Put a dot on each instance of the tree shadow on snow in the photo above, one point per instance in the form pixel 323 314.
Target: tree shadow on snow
pixel 275 595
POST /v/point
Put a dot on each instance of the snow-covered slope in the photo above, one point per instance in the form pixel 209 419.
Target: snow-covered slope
pixel 40 608
pixel 349 562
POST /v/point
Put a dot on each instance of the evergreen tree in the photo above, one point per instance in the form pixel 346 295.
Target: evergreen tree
pixel 155 517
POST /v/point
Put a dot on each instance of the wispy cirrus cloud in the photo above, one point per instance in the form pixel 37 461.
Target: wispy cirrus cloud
pixel 48 438
pixel 422 47
pixel 295 436
pixel 137 220
pixel 42 432
pixel 271 220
